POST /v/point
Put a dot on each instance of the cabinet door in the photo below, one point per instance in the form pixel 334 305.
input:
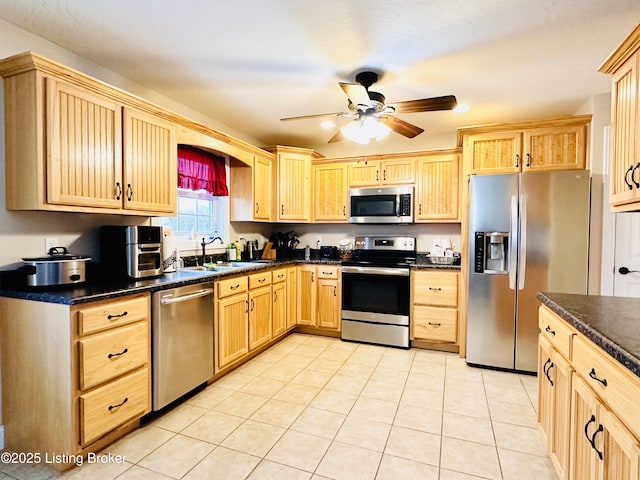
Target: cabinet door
pixel 232 332
pixel 621 450
pixel 584 425
pixel 262 189
pixel 150 163
pixel 545 388
pixel 490 153
pixel 306 296
pixel 330 193
pixel 294 187
pixel 624 132
pixel 557 148
pixel 260 311
pixel 279 311
pixel 398 171
pixel 561 374
pixel 365 173
pixel 84 142
pixel 438 188
pixel 292 297
pixel 328 313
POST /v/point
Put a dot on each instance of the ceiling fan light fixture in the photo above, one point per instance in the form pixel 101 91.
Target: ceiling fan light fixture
pixel 365 128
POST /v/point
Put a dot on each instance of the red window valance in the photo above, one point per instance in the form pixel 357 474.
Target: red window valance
pixel 201 170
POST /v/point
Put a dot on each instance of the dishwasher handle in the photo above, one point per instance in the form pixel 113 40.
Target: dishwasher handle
pixel 169 299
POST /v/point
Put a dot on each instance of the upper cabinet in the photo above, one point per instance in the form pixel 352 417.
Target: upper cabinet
pixel 372 172
pixel 251 189
pixel 553 144
pixel 330 192
pixel 624 65
pixel 76 144
pixel 438 187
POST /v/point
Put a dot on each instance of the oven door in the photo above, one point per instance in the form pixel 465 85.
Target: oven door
pixel 376 294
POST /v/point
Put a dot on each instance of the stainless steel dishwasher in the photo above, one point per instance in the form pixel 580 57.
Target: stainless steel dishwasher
pixel 182 340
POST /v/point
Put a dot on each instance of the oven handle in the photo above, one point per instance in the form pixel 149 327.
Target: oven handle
pixel 398 272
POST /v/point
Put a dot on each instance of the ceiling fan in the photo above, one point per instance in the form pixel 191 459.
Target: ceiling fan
pixel 367 108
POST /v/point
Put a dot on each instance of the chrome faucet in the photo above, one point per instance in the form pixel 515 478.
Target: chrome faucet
pixel 204 244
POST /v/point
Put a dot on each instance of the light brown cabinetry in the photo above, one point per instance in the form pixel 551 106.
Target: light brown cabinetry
pixel 76 144
pixel 99 356
pixel 434 300
pixel 373 172
pixel 251 188
pixel 438 187
pixel 260 309
pixel 319 296
pixel 330 192
pixel 280 298
pixel 553 144
pixel 624 65
pixel 292 296
pixel 231 320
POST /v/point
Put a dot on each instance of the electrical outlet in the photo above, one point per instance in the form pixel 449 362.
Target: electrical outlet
pixel 49 243
pixel 318 242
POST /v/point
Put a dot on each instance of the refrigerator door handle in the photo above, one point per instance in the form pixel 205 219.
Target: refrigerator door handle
pixel 523 242
pixel 513 242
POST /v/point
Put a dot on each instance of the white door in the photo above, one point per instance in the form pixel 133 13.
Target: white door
pixel 627 255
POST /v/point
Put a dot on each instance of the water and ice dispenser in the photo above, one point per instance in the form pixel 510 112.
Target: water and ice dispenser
pixel 491 252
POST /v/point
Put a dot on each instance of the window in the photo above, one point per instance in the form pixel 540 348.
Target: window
pixel 198 212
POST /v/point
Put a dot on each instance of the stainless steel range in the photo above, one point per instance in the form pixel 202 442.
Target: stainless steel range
pixel 375 291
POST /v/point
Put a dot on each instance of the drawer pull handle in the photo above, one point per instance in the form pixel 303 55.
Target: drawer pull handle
pixel 593 375
pixel 253 305
pixel 548 329
pixel 111 355
pixel 433 324
pixel 112 407
pixel 626 175
pixel 233 287
pixel 586 427
pixel 435 289
pixel 113 317
pixel 593 441
pixel 275 297
pixel 262 280
pixel 118 191
pixel 547 370
pixel 129 192
pixel 326 273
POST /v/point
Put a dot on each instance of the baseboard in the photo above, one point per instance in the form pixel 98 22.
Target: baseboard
pixel 1 437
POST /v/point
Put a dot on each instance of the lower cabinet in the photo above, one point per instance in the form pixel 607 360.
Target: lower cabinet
pixel 434 304
pixel 292 296
pixel 260 309
pixel 74 378
pixel 279 300
pixel 319 296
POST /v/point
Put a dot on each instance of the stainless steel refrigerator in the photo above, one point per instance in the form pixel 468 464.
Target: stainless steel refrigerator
pixel 528 233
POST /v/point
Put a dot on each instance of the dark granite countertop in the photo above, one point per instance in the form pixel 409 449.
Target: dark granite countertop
pixel 612 323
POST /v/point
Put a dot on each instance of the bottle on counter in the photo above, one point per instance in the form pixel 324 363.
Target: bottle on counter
pixel 307 253
pixel 231 252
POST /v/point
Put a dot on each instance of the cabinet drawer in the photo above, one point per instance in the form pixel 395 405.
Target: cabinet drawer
pixel 114 404
pixel 556 331
pixel 611 381
pixel 435 323
pixel 435 288
pixel 259 279
pixel 325 271
pixel 279 275
pixel 112 353
pixel 231 286
pixel 112 313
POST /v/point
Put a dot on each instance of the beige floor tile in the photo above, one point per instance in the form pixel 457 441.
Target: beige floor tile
pixel 396 363
pixel 254 438
pixel 309 350
pixel 299 450
pixel 297 393
pixel 369 355
pixel 180 417
pixel 464 373
pixel 451 475
pixel 348 462
pixel 414 445
pixel 431 357
pixel 524 415
pixel 334 355
pixel 312 378
pixel 470 458
pixel 426 378
pixel 278 413
pixel 471 406
pixel 394 468
pixel 234 380
pixel 263 387
pixel 374 409
pixel 529 382
pixel 472 429
pixel 382 391
pixel 224 464
pixel 328 365
pixel 268 470
pixel 316 340
pixel 354 369
pixel 210 397
pixel 240 404
pixel 139 473
pixel 213 427
pixel 282 372
pixel 255 367
pixel 389 375
pixel 321 423
pixel 432 398
pixel 333 401
pixel 518 466
pixel 501 379
pixel 346 384
pixel 94 471
pixel 140 443
pixel 364 433
pixel 455 386
pixel 516 395
pixel 518 438
pixel 419 418
pixel 177 456
pixel 296 360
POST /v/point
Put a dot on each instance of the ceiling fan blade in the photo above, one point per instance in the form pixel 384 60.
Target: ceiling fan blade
pixel 338 137
pixel 400 126
pixel 448 102
pixel 319 115
pixel 357 94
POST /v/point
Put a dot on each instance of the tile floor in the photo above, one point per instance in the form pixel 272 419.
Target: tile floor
pixel 317 408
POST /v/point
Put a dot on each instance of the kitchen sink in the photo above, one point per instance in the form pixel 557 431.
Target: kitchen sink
pixel 220 267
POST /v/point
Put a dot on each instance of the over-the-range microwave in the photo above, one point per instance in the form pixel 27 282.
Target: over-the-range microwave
pixel 381 205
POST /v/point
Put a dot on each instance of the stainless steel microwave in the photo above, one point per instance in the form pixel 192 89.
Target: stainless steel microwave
pixel 381 205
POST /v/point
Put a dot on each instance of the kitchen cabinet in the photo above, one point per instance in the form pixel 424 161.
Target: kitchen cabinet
pixel 251 189
pixel 438 187
pixel 292 296
pixel 231 321
pixel 260 309
pixel 434 304
pixel 279 293
pixel 372 172
pixel 624 64
pixel 76 144
pixel 553 144
pixel 98 353
pixel 331 193
pixel 293 183
pixel 319 297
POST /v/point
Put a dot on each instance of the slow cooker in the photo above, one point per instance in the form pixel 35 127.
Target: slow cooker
pixel 59 267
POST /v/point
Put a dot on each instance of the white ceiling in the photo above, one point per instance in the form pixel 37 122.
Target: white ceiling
pixel 248 63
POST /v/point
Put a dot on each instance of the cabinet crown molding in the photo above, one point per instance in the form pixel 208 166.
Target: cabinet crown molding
pixel 622 53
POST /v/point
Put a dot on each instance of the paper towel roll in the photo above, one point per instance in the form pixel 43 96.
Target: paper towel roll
pixel 169 251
